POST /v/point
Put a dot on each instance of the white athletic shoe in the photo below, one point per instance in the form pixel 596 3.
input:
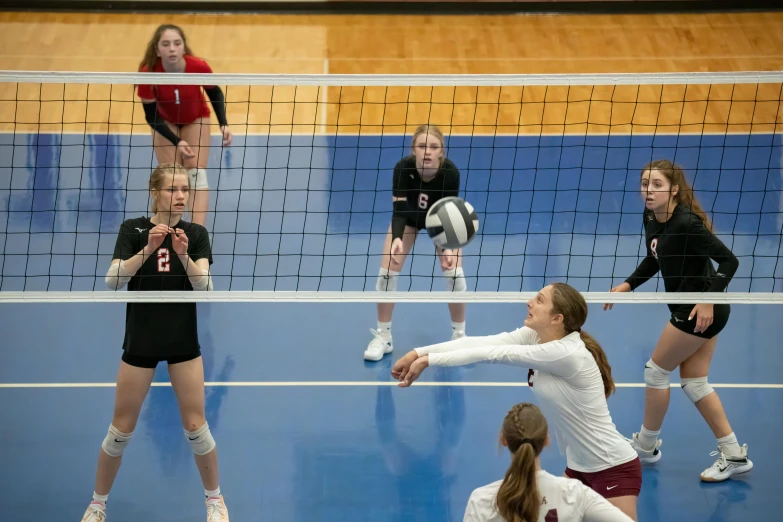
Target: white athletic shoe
pixel 380 345
pixel 217 510
pixel 95 513
pixel 649 456
pixel 726 466
pixel 457 334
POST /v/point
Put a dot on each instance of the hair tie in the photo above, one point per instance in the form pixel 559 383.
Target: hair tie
pixel 579 330
pixel 527 441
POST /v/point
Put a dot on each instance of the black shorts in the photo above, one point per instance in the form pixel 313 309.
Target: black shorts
pixel 140 361
pixel 720 317
pixel 419 223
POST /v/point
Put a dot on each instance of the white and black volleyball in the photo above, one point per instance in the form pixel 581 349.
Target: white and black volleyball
pixel 451 223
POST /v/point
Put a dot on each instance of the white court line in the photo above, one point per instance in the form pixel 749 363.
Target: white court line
pixel 293 384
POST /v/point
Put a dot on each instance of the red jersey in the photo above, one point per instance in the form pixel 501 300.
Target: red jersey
pixel 179 104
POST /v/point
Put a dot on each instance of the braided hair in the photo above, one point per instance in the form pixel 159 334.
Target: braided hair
pixel 525 431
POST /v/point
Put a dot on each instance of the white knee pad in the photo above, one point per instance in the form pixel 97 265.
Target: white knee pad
pixel 201 440
pixel 455 279
pixel 655 376
pixel 198 179
pixel 115 442
pixel 696 388
pixel 387 281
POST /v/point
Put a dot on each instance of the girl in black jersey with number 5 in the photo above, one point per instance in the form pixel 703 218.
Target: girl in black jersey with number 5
pixel 153 254
pixel 680 244
pixel 419 181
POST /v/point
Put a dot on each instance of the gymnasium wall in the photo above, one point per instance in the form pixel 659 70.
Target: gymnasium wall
pixel 29 2
pixel 428 5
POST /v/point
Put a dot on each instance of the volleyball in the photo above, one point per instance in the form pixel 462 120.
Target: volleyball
pixel 451 223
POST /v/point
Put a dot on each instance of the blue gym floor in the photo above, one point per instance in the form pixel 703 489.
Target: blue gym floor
pixel 305 429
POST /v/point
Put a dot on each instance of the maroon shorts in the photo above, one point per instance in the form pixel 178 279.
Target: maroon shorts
pixel 619 481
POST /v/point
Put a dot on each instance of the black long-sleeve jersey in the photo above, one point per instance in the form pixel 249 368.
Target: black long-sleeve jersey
pixel 419 195
pixel 160 329
pixel 681 248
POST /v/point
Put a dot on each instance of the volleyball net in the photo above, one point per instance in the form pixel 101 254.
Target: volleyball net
pixel 301 201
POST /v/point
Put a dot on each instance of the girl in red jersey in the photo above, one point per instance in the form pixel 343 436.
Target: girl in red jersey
pixel 179 115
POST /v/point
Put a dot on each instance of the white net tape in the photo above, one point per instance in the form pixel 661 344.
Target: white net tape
pixel 239 296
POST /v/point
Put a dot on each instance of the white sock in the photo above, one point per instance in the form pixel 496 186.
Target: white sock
pixel 212 494
pixel 729 445
pixel 384 328
pixel 648 438
pixel 100 499
pixel 458 326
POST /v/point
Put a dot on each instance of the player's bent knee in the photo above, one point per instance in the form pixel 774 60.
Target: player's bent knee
pixel 387 280
pixel 696 388
pixel 655 376
pixel 198 179
pixel 455 279
pixel 201 441
pixel 115 442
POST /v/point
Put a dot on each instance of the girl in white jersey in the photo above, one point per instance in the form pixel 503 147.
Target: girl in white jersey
pixel 530 494
pixel 571 377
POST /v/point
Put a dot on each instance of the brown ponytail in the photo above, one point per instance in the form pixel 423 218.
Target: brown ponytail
pixel 568 302
pixel 685 197
pixel 525 431
pixel 600 359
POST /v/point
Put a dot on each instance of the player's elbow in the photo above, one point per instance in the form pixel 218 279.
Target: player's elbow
pixel 150 112
pixel 116 277
pixel 203 283
pixel 112 282
pixel 732 265
pixel 498 356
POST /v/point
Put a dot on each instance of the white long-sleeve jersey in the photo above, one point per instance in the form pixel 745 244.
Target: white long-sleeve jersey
pixel 564 500
pixel 567 382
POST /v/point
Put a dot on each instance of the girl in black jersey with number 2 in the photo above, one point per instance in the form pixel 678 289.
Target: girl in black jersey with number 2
pixel 153 254
pixel 419 181
pixel 680 244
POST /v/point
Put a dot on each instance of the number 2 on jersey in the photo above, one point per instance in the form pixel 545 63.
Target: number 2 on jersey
pixel 423 200
pixel 164 260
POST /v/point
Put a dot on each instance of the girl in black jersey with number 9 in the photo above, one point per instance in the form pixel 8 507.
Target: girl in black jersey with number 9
pixel 420 180
pixel 681 244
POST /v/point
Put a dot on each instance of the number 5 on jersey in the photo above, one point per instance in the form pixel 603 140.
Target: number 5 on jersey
pixel 423 200
pixel 164 260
